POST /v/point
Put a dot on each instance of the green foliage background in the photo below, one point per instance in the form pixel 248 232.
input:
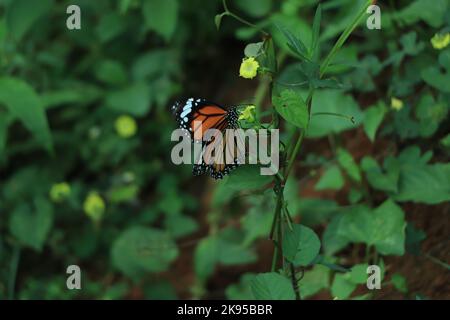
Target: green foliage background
pixel 146 231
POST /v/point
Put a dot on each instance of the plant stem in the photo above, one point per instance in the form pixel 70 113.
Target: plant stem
pixel 298 144
pixel 344 36
pixel 231 14
pixel 295 282
pixel 13 271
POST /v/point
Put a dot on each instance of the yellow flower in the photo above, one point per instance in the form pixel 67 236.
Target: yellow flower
pixel 94 206
pixel 440 41
pixel 59 191
pixel 396 104
pixel 248 114
pixel 126 126
pixel 249 68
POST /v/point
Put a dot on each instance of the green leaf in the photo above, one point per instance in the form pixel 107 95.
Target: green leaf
pixel 359 273
pixel 180 225
pixel 111 72
pixel 316 31
pixel 111 25
pixel 139 250
pixel 254 8
pixel 246 178
pixel 234 253
pixel 421 10
pixel 430 114
pixel 313 281
pixel 294 43
pixel 342 287
pixel 347 162
pixel 383 227
pixel 290 105
pixel 21 15
pixel 301 245
pixel 125 193
pixel 161 16
pixel 377 178
pixel 218 20
pixel 373 116
pixel 151 65
pixel 336 102
pixel 437 78
pixel 253 49
pixel 31 224
pixel 206 257
pixel 314 211
pixel 332 240
pixel 424 184
pixel 5 120
pixel 331 179
pixel 22 102
pixel 135 100
pixel 242 289
pixel 272 286
pixel 52 99
pixel 219 249
pixel 414 238
pixel 399 282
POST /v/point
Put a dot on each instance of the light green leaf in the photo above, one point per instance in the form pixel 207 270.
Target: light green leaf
pixel 272 286
pixel 301 245
pixel 333 101
pixel 331 180
pixel 313 281
pixel 421 10
pixel 385 181
pixel 347 162
pixel 23 103
pixel 332 240
pixel 424 184
pixel 359 273
pixel 139 250
pixel 342 287
pixel 290 105
pixel 373 116
pixel 383 227
pixel 253 49
pixel 161 16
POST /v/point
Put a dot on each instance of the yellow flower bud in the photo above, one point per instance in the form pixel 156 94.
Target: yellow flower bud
pixel 94 206
pixel 396 104
pixel 59 191
pixel 248 114
pixel 249 68
pixel 126 126
pixel 440 41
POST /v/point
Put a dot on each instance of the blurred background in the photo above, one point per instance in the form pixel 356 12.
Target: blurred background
pixel 85 172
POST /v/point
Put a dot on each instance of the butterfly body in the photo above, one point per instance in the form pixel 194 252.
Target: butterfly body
pixel 196 117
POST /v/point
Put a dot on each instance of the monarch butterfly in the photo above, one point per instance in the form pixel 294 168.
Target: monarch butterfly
pixel 196 117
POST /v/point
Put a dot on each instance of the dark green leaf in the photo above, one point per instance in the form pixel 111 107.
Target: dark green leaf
pixel 301 245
